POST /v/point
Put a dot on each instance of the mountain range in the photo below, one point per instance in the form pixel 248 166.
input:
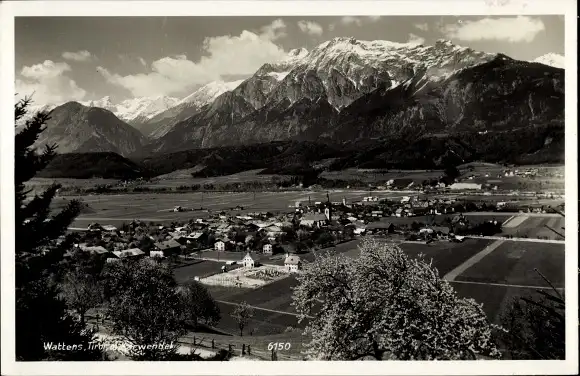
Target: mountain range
pixel 344 90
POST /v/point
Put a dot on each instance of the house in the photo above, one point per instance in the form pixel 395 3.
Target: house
pixel 131 253
pixel 248 261
pixel 441 231
pixel 313 220
pixel 380 226
pixel 419 211
pixel 377 213
pixel 268 248
pixel 474 186
pixel 400 212
pixel 98 250
pixel 156 254
pixel 292 263
pixel 199 237
pixel 109 228
pixel 112 258
pixel 220 246
pixel 224 228
pixel 94 227
pixel 168 247
pixel 273 231
pixel 420 204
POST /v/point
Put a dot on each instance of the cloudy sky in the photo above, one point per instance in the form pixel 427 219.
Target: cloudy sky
pixel 81 58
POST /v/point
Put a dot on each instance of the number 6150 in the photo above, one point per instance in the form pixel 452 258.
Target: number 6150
pixel 279 346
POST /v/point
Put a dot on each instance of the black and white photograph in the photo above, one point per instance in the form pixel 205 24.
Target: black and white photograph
pixel 221 185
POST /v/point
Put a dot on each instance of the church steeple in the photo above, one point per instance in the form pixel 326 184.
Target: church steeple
pixel 328 208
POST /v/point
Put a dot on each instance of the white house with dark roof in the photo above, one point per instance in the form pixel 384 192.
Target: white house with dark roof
pixel 220 246
pixel 292 263
pixel 248 261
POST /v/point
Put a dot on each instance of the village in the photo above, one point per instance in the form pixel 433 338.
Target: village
pixel 249 249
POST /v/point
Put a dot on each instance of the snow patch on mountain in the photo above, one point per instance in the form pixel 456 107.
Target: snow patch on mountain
pixel 209 92
pixel 551 59
pixel 134 109
pixel 278 75
pixel 344 68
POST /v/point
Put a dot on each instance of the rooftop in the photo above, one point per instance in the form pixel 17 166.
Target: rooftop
pixel 292 260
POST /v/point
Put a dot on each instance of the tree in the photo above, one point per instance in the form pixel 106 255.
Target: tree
pixel 41 316
pixel 199 305
pixel 324 238
pixel 81 292
pixel 535 329
pixel 384 305
pixel 145 243
pixel 242 314
pixel 145 307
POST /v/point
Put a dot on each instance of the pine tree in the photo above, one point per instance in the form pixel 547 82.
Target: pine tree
pixel 42 318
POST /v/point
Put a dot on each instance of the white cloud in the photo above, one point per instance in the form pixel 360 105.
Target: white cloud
pixel 350 20
pixel 83 55
pixel 309 27
pixel 225 56
pixel 47 83
pixel 275 30
pixel 356 21
pixel 415 39
pixel 422 26
pixel 510 29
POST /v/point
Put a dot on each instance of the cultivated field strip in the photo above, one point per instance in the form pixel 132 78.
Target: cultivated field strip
pixel 515 221
pixel 472 260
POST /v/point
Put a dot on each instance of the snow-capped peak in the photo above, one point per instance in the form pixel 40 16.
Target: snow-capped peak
pixel 364 63
pixel 134 108
pixel 144 107
pixel 298 52
pixel 551 59
pixel 104 102
pixel 445 42
pixel 209 92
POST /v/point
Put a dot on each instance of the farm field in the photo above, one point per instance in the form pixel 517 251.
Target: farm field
pixel 514 262
pixel 183 177
pixel 263 323
pixel 535 227
pixel 495 299
pixel 373 176
pixel 446 256
pixel 505 273
pixel 199 269
pixel 116 209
